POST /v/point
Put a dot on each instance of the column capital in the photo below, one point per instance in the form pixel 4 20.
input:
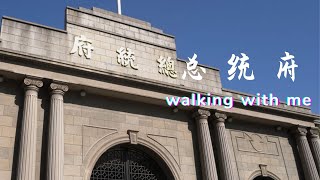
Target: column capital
pixel 58 88
pixel 219 117
pixel 299 131
pixel 32 83
pixel 317 123
pixel 201 114
pixel 313 132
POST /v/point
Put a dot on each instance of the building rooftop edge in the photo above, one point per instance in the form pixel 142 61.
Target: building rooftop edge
pixel 80 9
pixel 64 31
pixel 118 15
pixel 34 24
pixel 179 59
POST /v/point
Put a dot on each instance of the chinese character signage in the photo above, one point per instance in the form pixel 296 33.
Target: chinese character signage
pixel 240 65
pixel 83 46
pixel 166 66
pixel 285 68
pixel 126 57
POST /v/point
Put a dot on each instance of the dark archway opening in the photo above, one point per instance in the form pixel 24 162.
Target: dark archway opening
pixel 130 162
pixel 263 178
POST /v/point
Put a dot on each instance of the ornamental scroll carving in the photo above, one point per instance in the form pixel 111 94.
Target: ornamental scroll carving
pixel 201 113
pixel 314 132
pixel 55 86
pixel 256 143
pixel 299 131
pixel 220 116
pixel 33 82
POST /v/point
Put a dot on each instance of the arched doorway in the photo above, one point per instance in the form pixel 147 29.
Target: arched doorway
pixel 130 162
pixel 263 178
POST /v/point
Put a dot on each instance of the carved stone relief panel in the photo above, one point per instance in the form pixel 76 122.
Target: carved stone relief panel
pixel 256 143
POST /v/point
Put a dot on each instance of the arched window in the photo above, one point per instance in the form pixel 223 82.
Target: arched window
pixel 125 162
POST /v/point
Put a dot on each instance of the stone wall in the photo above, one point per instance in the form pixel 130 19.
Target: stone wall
pixel 254 146
pixel 92 118
pixel 11 107
pixel 8 120
pixel 108 32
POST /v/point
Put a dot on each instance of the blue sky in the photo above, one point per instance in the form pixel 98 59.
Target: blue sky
pixel 215 30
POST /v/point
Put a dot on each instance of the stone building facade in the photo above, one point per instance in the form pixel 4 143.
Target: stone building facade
pixel 88 102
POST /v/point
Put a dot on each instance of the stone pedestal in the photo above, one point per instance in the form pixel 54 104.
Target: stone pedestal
pixel 224 153
pixel 56 133
pixel 315 146
pixel 208 165
pixel 27 151
pixel 308 164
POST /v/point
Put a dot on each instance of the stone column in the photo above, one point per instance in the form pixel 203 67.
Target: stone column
pixel 208 165
pixel 27 151
pixel 315 146
pixel 224 153
pixel 56 133
pixel 308 164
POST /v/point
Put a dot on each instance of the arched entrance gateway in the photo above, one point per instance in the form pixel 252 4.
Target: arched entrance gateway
pixel 263 178
pixel 130 162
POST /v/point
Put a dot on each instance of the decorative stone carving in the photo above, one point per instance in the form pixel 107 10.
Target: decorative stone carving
pixel 32 82
pixel 299 131
pixel 201 113
pixel 256 143
pixel 264 171
pixel 220 117
pixel 61 87
pixel 314 132
pixel 133 135
pixel 317 123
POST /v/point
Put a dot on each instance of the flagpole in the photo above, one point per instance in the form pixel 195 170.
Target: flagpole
pixel 119 6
